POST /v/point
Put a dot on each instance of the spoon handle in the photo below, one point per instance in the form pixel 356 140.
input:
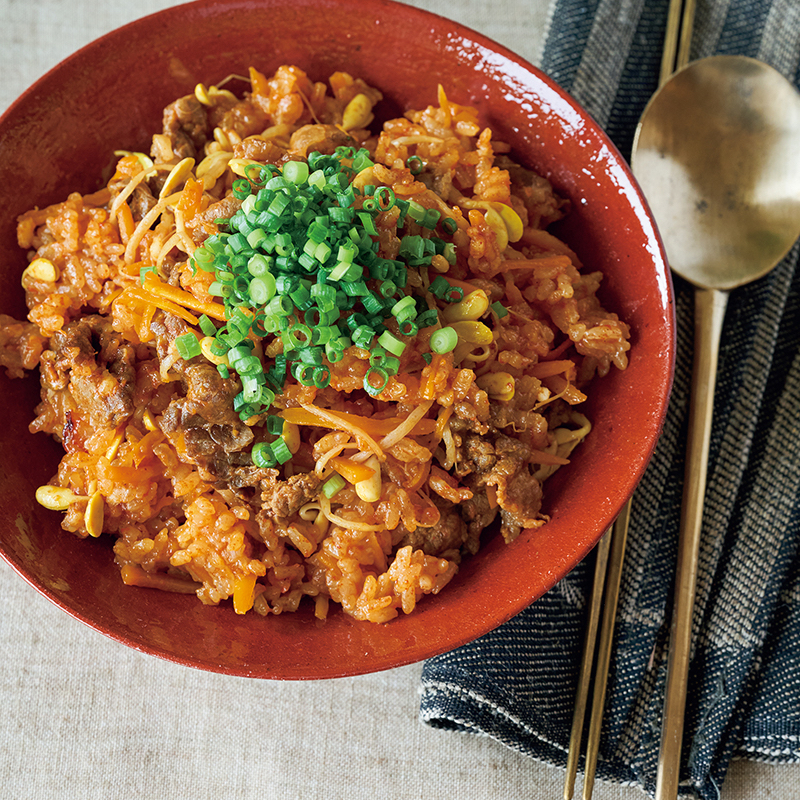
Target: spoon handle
pixel 709 315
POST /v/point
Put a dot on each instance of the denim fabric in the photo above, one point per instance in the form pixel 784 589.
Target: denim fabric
pixel 517 683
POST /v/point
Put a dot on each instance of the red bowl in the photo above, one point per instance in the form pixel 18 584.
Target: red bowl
pixel 59 137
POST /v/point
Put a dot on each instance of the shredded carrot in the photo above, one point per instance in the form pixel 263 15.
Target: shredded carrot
pixel 372 427
pixel 541 457
pixel 544 262
pixel 559 351
pixel 258 82
pixel 244 593
pixel 191 197
pixel 128 475
pixel 145 445
pixel 430 374
pixel 351 470
pixel 134 575
pixel 148 297
pixel 546 241
pixel 545 369
pixel 126 223
pixel 184 298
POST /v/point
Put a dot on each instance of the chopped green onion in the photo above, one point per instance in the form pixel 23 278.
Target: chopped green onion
pixel 450 225
pixel 333 353
pixel 207 326
pixel 428 318
pixel 187 346
pixel 333 485
pixel 454 295
pixel 403 306
pixel 431 218
pixel 408 327
pixel 241 188
pixel 296 171
pixel 263 456
pixel 381 374
pixel 389 341
pixel 384 197
pixel 262 289
pixel 321 377
pixel 280 450
pixel 414 164
pixel 274 424
pixel 363 336
pixel 440 286
pixel 499 309
pixel 444 340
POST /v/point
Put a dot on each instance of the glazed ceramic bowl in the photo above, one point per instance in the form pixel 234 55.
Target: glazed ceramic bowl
pixel 59 137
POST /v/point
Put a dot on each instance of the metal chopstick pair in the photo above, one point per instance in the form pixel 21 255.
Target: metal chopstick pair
pixel 602 617
pixel 611 549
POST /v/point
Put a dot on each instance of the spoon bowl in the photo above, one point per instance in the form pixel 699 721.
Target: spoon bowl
pixel 716 152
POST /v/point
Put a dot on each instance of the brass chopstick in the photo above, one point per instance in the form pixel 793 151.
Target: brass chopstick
pixel 587 660
pixel 611 549
pixel 611 598
pixel 678 38
pixel 672 721
pixel 602 617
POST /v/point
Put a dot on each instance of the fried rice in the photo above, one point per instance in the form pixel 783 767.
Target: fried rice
pixel 256 425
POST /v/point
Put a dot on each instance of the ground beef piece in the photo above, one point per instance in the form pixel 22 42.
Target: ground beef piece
pixel 317 138
pixel 503 463
pixel 468 416
pixel 445 539
pixel 88 378
pixel 201 226
pixel 204 413
pixel 543 205
pixel 245 118
pixel 211 428
pixel 478 514
pixel 282 499
pixel 141 199
pixel 473 453
pixel 520 500
pixel 186 123
pixel 258 149
pixel 21 345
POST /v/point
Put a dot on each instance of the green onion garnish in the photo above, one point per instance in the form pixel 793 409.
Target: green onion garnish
pixel 444 340
pixel 187 346
pixel 333 485
pixel 263 456
pixel 300 260
pixel 414 164
pixel 499 309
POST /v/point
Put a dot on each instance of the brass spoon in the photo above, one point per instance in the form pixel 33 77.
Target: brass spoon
pixel 716 153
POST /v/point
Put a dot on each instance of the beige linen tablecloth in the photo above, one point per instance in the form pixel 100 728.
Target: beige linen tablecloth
pixel 82 716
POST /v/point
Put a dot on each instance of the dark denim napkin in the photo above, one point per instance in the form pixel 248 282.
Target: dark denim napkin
pixel 517 684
